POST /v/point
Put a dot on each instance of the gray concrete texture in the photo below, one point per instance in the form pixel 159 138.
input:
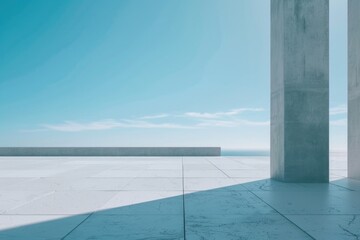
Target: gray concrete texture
pixel 110 151
pixel 354 88
pixel 300 90
pixel 192 198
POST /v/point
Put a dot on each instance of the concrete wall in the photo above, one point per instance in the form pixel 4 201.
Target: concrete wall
pixel 354 89
pixel 110 151
pixel 300 90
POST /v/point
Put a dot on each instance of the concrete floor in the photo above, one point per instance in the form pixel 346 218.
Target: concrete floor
pixel 169 198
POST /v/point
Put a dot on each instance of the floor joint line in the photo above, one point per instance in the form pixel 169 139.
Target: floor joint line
pixel 183 188
pixel 77 226
pixel 283 215
pixel 217 168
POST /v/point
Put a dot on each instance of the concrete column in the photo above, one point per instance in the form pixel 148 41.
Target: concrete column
pixel 300 90
pixel 354 89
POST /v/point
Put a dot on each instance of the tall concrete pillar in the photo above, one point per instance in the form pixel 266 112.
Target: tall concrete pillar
pixel 300 90
pixel 354 89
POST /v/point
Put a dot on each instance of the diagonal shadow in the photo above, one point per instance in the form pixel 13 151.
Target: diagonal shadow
pixel 263 209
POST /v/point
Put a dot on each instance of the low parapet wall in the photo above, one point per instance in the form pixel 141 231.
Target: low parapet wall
pixel 110 151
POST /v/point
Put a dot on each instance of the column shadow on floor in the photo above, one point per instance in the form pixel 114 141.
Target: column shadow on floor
pixel 263 209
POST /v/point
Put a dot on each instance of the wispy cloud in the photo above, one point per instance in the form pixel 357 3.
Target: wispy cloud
pixel 232 123
pixel 339 112
pixel 233 112
pixel 34 130
pixel 155 116
pixel 71 126
pixel 339 122
pixel 195 120
pixel 341 109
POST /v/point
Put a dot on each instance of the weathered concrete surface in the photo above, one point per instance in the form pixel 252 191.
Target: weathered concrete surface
pixel 354 89
pixel 110 151
pixel 300 90
pixel 124 198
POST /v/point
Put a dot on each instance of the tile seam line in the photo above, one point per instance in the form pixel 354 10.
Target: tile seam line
pixel 342 187
pixel 217 168
pixel 284 216
pixel 26 203
pixel 72 230
pixel 183 196
pixel 174 214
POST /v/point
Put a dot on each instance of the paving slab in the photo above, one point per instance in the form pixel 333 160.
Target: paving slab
pixel 171 198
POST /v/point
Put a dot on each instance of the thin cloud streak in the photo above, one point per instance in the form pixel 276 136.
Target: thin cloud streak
pixel 156 116
pixel 341 109
pixel 71 126
pixel 196 120
pixel 233 112
pixel 339 122
pixel 232 123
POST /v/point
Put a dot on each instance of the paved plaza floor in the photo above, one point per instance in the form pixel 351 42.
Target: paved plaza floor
pixel 224 198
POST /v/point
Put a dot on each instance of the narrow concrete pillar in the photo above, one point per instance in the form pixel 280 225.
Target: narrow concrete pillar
pixel 300 90
pixel 354 89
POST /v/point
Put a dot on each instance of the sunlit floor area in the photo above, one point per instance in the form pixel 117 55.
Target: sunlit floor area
pixel 171 198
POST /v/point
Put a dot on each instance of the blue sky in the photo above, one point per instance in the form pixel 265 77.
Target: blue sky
pixel 146 73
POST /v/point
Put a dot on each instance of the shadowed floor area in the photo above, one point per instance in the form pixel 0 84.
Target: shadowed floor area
pixel 171 198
